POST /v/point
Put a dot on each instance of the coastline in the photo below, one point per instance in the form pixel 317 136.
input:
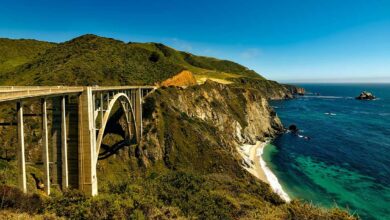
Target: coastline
pixel 254 164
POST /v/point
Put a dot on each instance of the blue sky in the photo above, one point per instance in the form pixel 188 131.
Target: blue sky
pixel 284 40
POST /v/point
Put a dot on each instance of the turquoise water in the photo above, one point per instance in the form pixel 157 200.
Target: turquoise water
pixel 346 161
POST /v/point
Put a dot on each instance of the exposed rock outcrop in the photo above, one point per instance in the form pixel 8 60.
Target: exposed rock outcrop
pixel 184 78
pixel 202 126
pixel 295 90
pixel 269 89
pixel 365 96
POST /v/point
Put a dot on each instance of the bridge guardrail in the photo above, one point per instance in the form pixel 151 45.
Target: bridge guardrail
pixel 12 93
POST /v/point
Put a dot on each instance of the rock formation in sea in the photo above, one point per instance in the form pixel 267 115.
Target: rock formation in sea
pixel 365 96
pixel 295 90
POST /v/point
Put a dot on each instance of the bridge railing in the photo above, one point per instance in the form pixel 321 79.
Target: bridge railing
pixel 33 93
pixel 24 88
pixel 13 93
pixel 107 88
pixel 84 115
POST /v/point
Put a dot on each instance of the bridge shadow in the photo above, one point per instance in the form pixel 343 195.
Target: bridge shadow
pixel 111 150
pixel 114 127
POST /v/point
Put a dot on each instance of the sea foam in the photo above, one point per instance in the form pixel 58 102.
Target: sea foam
pixel 272 179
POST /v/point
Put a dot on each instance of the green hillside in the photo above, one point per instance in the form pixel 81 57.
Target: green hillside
pixel 14 53
pixel 187 165
pixel 94 60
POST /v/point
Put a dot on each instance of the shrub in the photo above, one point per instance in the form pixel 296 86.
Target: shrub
pixel 154 57
pixel 188 193
pixel 72 204
pixel 14 198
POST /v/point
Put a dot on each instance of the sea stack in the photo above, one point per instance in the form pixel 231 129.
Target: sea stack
pixel 298 91
pixel 366 96
pixel 295 90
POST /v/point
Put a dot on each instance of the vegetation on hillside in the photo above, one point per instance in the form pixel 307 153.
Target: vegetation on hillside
pixel 171 195
pixel 185 167
pixel 94 60
pixel 197 174
pixel 14 53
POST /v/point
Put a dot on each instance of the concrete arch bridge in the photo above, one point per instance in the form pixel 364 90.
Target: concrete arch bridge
pixel 80 118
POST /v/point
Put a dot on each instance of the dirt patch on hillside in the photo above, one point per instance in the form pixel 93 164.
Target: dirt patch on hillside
pixel 184 78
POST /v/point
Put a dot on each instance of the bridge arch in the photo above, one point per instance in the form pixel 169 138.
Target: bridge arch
pixel 129 115
pixel 78 110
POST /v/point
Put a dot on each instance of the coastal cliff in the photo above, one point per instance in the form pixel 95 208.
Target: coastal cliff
pixel 212 115
pixel 295 90
pixel 191 139
pixel 187 165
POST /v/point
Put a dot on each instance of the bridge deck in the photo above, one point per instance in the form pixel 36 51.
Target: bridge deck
pixel 14 93
pixel 77 166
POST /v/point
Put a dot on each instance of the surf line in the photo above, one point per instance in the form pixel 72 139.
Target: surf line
pixel 254 164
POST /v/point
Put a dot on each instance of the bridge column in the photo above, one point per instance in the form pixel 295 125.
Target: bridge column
pixel 64 145
pixel 20 153
pixel 87 144
pixel 101 109
pixel 72 114
pixel 138 113
pixel 45 150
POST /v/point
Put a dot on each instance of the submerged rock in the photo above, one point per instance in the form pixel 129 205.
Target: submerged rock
pixel 293 128
pixel 365 96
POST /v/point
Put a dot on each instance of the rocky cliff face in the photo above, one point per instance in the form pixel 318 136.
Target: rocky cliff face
pixel 186 166
pixel 295 90
pixel 201 126
pixel 270 89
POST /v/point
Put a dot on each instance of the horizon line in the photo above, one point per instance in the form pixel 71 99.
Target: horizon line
pixel 328 82
pixel 357 80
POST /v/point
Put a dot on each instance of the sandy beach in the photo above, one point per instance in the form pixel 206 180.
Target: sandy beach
pixel 254 164
pixel 249 154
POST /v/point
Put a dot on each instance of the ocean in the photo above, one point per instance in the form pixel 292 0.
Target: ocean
pixel 344 160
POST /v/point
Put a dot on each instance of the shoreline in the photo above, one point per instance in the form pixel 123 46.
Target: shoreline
pixel 253 163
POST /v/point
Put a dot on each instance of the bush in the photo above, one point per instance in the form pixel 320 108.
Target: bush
pixel 14 198
pixel 188 193
pixel 302 210
pixel 72 204
pixel 154 57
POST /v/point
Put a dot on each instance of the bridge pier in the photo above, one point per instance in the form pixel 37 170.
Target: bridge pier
pixel 87 144
pixel 21 151
pixel 138 114
pixel 64 145
pixel 45 147
pixel 72 109
pixel 72 142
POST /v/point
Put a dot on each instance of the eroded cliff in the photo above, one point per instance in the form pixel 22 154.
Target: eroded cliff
pixel 186 167
pixel 201 126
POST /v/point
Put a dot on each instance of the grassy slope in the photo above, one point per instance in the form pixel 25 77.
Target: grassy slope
pixel 188 182
pixel 14 53
pixel 90 60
